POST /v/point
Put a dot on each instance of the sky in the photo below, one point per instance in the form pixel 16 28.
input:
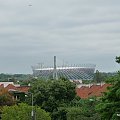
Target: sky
pixel 76 31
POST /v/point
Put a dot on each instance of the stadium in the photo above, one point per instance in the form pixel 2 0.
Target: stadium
pixel 82 72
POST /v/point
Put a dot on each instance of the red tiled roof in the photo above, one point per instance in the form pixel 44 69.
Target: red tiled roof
pixel 10 86
pixel 94 90
pixel 20 88
pixel 102 89
pixel 82 92
pixel 23 88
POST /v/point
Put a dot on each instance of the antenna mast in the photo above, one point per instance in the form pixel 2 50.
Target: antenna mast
pixel 55 69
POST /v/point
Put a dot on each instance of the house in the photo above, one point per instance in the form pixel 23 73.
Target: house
pixel 92 90
pixel 17 91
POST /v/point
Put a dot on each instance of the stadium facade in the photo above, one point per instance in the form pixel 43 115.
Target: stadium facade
pixel 76 72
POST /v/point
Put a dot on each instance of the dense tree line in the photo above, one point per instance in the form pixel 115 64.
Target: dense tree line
pixel 14 77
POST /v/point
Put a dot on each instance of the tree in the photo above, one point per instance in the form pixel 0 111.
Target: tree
pixel 52 94
pixel 60 114
pixel 85 110
pixel 109 108
pixel 110 102
pixel 98 77
pixel 101 76
pixel 5 97
pixel 23 112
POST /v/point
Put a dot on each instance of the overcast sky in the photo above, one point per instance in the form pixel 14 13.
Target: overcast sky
pixel 76 31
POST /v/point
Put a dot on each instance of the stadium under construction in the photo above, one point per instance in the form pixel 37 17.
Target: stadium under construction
pixel 76 72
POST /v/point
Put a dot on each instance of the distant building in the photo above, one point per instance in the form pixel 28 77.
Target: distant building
pixel 82 72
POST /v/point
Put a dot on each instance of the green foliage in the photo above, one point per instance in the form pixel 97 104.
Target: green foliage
pixel 98 77
pixel 14 77
pixel 82 109
pixel 5 97
pixel 53 94
pixel 118 59
pixel 76 101
pixel 50 94
pixel 23 112
pixel 76 113
pixel 85 110
pixel 110 102
pixel 113 79
pixel 60 114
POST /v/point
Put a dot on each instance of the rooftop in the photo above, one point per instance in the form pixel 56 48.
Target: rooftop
pixel 93 90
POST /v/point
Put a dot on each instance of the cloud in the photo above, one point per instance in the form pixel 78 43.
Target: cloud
pixel 79 31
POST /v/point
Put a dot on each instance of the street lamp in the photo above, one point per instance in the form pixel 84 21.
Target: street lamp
pixel 32 112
